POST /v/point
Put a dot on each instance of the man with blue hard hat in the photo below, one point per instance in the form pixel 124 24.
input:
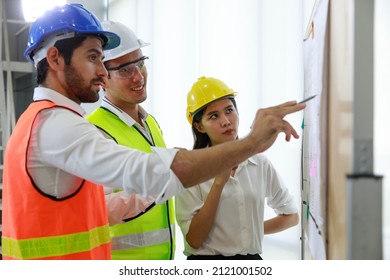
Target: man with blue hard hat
pixel 50 210
pixel 56 162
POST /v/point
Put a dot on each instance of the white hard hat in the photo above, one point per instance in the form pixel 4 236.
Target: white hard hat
pixel 129 41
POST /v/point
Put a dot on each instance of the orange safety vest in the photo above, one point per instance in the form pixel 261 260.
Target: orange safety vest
pixel 37 226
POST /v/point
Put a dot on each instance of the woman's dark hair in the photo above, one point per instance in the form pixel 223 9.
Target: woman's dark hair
pixel 65 48
pixel 202 140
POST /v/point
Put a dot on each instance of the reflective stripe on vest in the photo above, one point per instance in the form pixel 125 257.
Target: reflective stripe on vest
pixel 55 246
pixel 151 228
pixel 142 239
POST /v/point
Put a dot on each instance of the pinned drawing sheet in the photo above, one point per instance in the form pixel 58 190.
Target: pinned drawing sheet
pixel 313 192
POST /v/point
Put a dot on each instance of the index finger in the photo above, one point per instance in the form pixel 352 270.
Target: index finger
pixel 288 108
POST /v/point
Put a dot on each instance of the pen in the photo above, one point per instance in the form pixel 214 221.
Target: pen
pixel 307 99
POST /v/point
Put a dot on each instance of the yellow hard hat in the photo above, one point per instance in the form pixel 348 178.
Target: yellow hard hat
pixel 204 91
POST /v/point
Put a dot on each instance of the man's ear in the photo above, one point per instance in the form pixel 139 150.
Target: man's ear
pixel 199 127
pixel 53 58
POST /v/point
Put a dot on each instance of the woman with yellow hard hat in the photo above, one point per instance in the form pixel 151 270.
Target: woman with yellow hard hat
pixel 223 218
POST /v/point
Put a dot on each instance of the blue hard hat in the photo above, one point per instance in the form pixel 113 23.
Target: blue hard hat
pixel 69 18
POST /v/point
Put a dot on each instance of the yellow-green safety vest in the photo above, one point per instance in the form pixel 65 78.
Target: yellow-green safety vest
pixel 150 235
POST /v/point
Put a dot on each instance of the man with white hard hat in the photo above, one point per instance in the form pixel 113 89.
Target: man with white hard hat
pixel 121 118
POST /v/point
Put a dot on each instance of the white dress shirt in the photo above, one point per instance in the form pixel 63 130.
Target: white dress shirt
pixel 65 149
pixel 239 221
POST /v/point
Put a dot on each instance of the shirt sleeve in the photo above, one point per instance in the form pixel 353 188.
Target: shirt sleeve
pixel 122 206
pixel 70 143
pixel 187 205
pixel 278 196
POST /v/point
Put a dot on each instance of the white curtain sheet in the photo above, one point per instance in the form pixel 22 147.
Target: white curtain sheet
pixel 254 46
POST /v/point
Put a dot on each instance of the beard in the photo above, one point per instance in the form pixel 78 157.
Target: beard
pixel 78 88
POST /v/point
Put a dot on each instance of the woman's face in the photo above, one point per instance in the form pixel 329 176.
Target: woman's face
pixel 220 121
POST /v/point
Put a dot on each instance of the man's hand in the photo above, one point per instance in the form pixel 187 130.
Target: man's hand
pixel 269 122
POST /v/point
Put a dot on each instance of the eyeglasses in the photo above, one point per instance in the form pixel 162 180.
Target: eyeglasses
pixel 127 70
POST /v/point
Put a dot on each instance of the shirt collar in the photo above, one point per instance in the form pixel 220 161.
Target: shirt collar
pixel 107 104
pixel 42 93
pixel 246 162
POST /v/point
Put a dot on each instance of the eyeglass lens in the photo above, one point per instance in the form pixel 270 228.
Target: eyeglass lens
pixel 127 70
